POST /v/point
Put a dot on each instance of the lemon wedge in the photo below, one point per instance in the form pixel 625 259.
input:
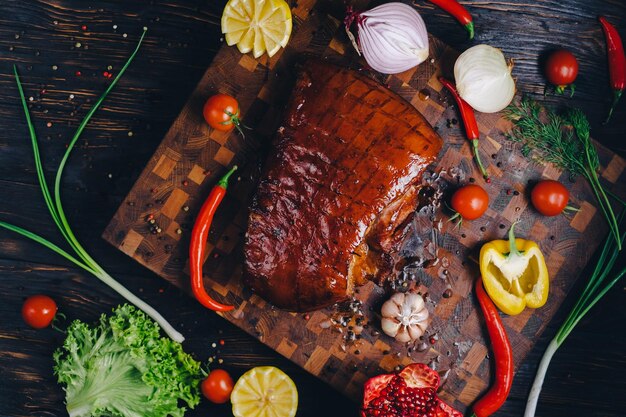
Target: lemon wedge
pixel 257 25
pixel 264 391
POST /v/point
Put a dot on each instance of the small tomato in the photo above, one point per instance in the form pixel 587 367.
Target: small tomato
pixel 549 197
pixel 561 69
pixel 470 202
pixel 221 112
pixel 217 386
pixel 38 311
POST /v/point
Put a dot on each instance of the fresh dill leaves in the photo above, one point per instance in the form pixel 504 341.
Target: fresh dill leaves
pixel 546 136
pixel 562 139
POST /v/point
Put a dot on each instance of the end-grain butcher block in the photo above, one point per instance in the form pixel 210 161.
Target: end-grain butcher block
pixel 341 180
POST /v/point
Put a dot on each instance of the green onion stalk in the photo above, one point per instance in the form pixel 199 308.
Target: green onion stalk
pixel 55 207
pixel 600 282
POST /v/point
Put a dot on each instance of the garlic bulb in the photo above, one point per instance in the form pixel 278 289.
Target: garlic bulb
pixel 405 316
pixel 483 79
pixel 392 37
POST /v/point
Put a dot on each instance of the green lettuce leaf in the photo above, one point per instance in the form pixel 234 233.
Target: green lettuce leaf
pixel 123 367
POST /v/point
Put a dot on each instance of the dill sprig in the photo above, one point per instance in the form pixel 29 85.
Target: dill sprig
pixel 562 139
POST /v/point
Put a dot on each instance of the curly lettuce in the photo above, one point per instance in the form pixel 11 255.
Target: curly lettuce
pixel 123 367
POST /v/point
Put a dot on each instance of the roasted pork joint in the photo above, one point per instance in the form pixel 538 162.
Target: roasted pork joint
pixel 341 181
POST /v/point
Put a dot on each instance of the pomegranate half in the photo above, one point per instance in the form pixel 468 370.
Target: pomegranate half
pixel 411 392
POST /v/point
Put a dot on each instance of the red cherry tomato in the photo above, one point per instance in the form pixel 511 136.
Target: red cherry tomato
pixel 561 68
pixel 217 386
pixel 221 112
pixel 549 197
pixel 38 311
pixel 470 201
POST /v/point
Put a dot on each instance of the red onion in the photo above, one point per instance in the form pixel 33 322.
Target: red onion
pixel 392 37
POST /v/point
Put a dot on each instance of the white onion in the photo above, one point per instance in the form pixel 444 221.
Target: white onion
pixel 392 37
pixel 483 79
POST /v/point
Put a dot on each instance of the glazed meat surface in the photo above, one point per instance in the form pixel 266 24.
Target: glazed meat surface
pixel 341 180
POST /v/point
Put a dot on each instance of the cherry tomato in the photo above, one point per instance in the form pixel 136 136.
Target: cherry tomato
pixel 38 311
pixel 470 201
pixel 561 68
pixel 549 197
pixel 217 386
pixel 221 112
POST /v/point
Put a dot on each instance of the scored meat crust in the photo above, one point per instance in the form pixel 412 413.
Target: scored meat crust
pixel 340 181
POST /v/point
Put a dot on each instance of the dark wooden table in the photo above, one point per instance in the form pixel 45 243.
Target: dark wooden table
pixel 64 48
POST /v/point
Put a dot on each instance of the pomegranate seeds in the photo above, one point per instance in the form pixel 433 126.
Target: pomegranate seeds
pixel 411 392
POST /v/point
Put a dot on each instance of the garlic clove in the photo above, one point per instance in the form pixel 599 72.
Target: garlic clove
pixel 391 308
pixel 422 325
pixel 420 316
pixel 415 301
pixel 390 326
pixel 403 335
pixel 398 298
pixel 415 331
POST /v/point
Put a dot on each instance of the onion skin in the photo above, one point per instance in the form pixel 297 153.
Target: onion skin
pixel 392 37
pixel 483 79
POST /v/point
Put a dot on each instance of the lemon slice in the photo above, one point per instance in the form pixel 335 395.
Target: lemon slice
pixel 264 391
pixel 257 25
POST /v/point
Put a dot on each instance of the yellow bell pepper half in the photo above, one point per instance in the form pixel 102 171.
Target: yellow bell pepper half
pixel 514 273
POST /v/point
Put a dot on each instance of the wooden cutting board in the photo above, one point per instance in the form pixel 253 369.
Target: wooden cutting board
pixel 153 224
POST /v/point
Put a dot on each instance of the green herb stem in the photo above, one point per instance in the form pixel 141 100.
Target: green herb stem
pixel 606 212
pixel 46 243
pixel 603 268
pixel 566 331
pixel 595 289
pixel 57 182
pixel 38 165
pixel 55 207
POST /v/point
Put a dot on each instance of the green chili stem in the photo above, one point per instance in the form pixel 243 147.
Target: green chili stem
pixel 483 171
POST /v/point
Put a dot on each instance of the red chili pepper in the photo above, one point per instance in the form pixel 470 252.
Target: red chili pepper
pixel 617 62
pixel 459 12
pixel 469 121
pixel 503 355
pixel 197 246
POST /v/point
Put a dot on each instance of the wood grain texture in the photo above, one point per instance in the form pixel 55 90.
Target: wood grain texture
pixel 262 87
pixel 182 41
